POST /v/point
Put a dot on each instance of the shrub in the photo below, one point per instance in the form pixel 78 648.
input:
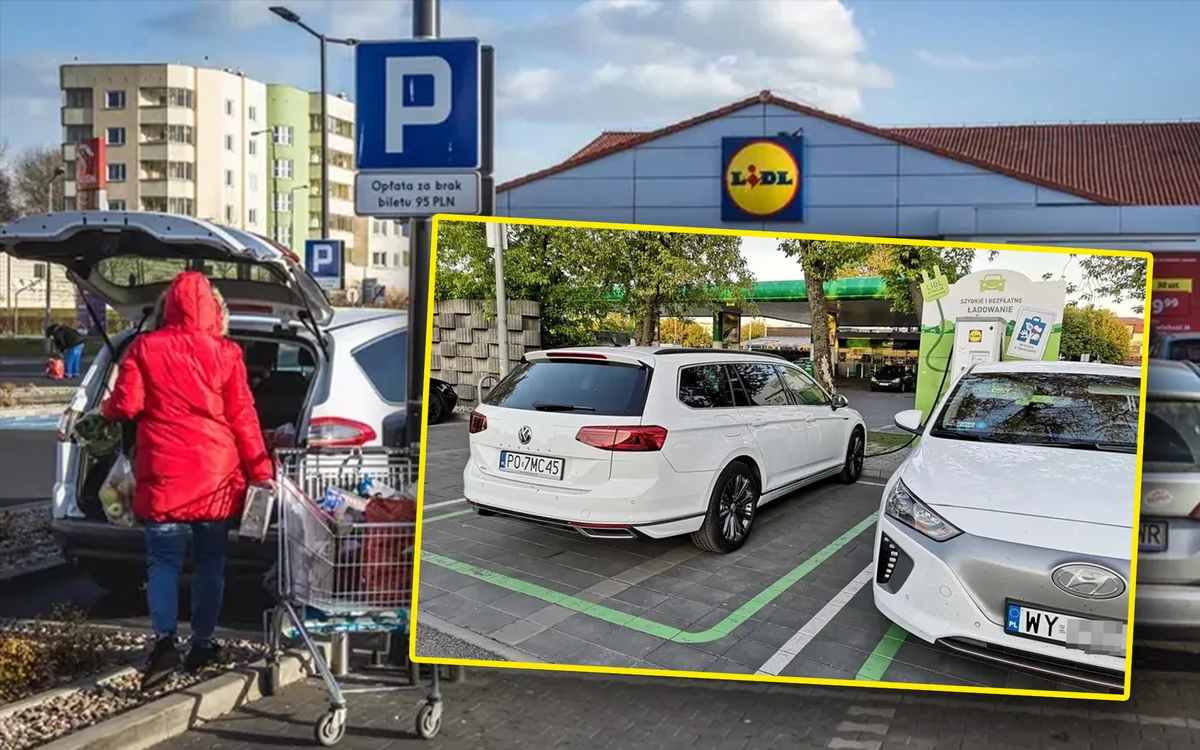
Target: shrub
pixel 18 666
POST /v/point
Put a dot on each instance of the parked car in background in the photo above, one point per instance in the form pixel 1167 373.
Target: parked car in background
pixel 629 442
pixel 1168 584
pixel 1180 347
pixel 1006 534
pixel 328 375
pixel 893 378
pixel 442 400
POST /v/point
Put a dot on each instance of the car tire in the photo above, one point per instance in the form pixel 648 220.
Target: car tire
pixel 121 580
pixel 736 491
pixel 856 452
pixel 437 408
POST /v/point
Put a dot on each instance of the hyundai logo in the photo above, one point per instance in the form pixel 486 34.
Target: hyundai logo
pixel 524 435
pixel 1088 581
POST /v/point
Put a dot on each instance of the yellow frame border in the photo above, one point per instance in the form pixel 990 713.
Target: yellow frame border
pixel 1137 508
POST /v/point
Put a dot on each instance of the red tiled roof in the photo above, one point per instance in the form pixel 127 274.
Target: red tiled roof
pixel 1138 164
pixel 1138 324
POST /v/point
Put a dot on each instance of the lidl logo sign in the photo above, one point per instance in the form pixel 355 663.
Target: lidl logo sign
pixel 975 336
pixel 762 179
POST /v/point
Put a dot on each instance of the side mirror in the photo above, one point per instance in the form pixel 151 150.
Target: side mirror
pixel 909 421
pixel 838 401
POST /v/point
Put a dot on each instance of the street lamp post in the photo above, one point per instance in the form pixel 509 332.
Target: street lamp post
pixel 46 318
pixel 292 17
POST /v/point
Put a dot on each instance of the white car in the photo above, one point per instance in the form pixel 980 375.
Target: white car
pixel 618 443
pixel 1007 533
pixel 333 375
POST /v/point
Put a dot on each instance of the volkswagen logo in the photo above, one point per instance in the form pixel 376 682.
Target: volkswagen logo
pixel 524 435
pixel 1088 581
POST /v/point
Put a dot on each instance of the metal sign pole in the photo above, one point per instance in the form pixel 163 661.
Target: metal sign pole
pixel 426 24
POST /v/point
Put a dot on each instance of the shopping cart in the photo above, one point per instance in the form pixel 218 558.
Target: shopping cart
pixel 340 578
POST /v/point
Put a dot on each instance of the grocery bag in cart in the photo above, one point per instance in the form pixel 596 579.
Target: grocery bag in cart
pixel 116 494
pixel 387 554
pixel 312 556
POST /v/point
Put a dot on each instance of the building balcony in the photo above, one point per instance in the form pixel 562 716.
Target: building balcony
pixel 166 116
pixel 340 175
pixel 336 142
pixel 166 151
pixel 164 188
pixel 77 115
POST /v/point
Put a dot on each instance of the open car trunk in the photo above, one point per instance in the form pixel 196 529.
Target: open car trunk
pixel 282 372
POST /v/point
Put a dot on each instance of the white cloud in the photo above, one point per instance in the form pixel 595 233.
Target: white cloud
pixel 623 61
pixel 965 62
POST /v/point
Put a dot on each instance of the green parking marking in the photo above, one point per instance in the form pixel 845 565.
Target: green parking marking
pixel 881 657
pixel 641 624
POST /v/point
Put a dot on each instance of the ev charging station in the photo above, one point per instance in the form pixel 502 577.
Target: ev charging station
pixel 986 316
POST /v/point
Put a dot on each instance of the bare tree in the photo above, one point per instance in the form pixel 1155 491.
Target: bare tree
pixel 32 175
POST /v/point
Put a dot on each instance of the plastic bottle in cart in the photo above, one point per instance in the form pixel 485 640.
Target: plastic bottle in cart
pixel 368 487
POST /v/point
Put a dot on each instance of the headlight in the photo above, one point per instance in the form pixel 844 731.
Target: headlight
pixel 903 506
pixel 896 381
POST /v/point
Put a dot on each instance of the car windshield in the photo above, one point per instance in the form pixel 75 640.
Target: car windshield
pixel 1172 436
pixel 1069 410
pixel 1183 350
pixel 593 387
pixel 891 371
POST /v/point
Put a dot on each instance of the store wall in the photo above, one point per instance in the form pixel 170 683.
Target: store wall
pixel 853 182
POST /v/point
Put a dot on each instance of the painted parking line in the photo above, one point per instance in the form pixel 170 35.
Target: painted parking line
pixel 884 652
pixel 431 506
pixel 38 423
pixel 666 632
pixel 788 651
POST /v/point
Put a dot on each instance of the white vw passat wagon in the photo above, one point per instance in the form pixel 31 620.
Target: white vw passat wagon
pixel 618 443
pixel 1007 534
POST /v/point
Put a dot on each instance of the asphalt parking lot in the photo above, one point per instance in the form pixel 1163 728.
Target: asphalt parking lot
pixel 795 601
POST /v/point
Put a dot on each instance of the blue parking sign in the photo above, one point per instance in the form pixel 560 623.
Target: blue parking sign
pixel 323 259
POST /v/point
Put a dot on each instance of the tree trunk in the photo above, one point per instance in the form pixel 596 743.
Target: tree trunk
pixel 822 354
pixel 647 322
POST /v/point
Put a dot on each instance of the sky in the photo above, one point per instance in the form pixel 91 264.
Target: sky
pixel 568 69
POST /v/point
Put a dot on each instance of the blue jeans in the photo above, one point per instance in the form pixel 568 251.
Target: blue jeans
pixel 72 359
pixel 166 544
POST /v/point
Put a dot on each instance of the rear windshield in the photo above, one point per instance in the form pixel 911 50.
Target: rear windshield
pixel 1184 350
pixel 131 271
pixel 1172 436
pixel 1091 412
pixel 605 388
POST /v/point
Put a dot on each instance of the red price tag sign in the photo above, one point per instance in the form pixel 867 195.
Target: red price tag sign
pixel 1171 305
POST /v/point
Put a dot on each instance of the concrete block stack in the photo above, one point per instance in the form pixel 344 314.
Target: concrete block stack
pixel 465 347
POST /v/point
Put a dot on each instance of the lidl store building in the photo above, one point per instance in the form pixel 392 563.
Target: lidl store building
pixel 767 163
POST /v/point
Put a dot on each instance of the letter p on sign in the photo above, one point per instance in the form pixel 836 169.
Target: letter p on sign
pixel 322 258
pixel 418 93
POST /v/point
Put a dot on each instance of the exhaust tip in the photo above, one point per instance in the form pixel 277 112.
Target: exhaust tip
pixel 605 532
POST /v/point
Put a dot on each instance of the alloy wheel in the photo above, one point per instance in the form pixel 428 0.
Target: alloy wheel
pixel 857 456
pixel 737 508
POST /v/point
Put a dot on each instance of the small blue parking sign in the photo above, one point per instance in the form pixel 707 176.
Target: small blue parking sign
pixel 323 261
pixel 418 104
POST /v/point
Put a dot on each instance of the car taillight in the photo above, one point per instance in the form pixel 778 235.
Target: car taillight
pixel 335 432
pixel 623 438
pixel 478 423
pixel 575 355
pixel 1196 513
pixel 251 309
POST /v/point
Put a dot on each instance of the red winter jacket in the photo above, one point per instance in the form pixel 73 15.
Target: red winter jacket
pixel 198 436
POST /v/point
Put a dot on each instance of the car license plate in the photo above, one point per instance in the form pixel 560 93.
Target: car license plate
pixel 534 466
pixel 1152 536
pixel 1098 636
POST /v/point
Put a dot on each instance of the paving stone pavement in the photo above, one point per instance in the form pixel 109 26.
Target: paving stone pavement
pixel 505 709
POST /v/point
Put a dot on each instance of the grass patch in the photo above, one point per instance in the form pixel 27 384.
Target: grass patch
pixel 881 441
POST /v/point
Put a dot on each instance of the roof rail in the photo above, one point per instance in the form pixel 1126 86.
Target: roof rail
pixel 751 352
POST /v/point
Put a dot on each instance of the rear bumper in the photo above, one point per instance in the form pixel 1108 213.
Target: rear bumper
pixel 1165 611
pixel 84 541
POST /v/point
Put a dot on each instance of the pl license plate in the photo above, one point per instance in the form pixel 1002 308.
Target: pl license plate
pixel 1152 536
pixel 1098 636
pixel 546 467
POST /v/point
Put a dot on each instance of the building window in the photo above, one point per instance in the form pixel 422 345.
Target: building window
pixel 405 258
pixel 252 183
pixel 395 259
pixel 282 134
pixel 229 214
pixel 379 227
pixel 252 216
pixel 283 235
pixel 185 206
pixel 283 201
pixel 341 223
pixel 114 100
pixel 253 148
pixel 116 172
pixel 179 134
pixel 115 136
pixel 283 169
pixel 229 107
pixel 69 203
pixel 180 170
pixel 79 98
pixel 252 113
pixel 70 167
pixel 379 259
pixel 115 205
pixel 76 133
pixel 228 178
pixel 228 142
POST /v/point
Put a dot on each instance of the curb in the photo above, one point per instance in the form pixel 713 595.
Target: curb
pixel 470 637
pixel 47 567
pixel 176 713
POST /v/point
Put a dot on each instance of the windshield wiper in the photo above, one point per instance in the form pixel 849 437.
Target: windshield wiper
pixel 1085 445
pixel 542 406
pixel 974 437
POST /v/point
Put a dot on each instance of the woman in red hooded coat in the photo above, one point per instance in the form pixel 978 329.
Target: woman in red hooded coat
pixel 199 445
